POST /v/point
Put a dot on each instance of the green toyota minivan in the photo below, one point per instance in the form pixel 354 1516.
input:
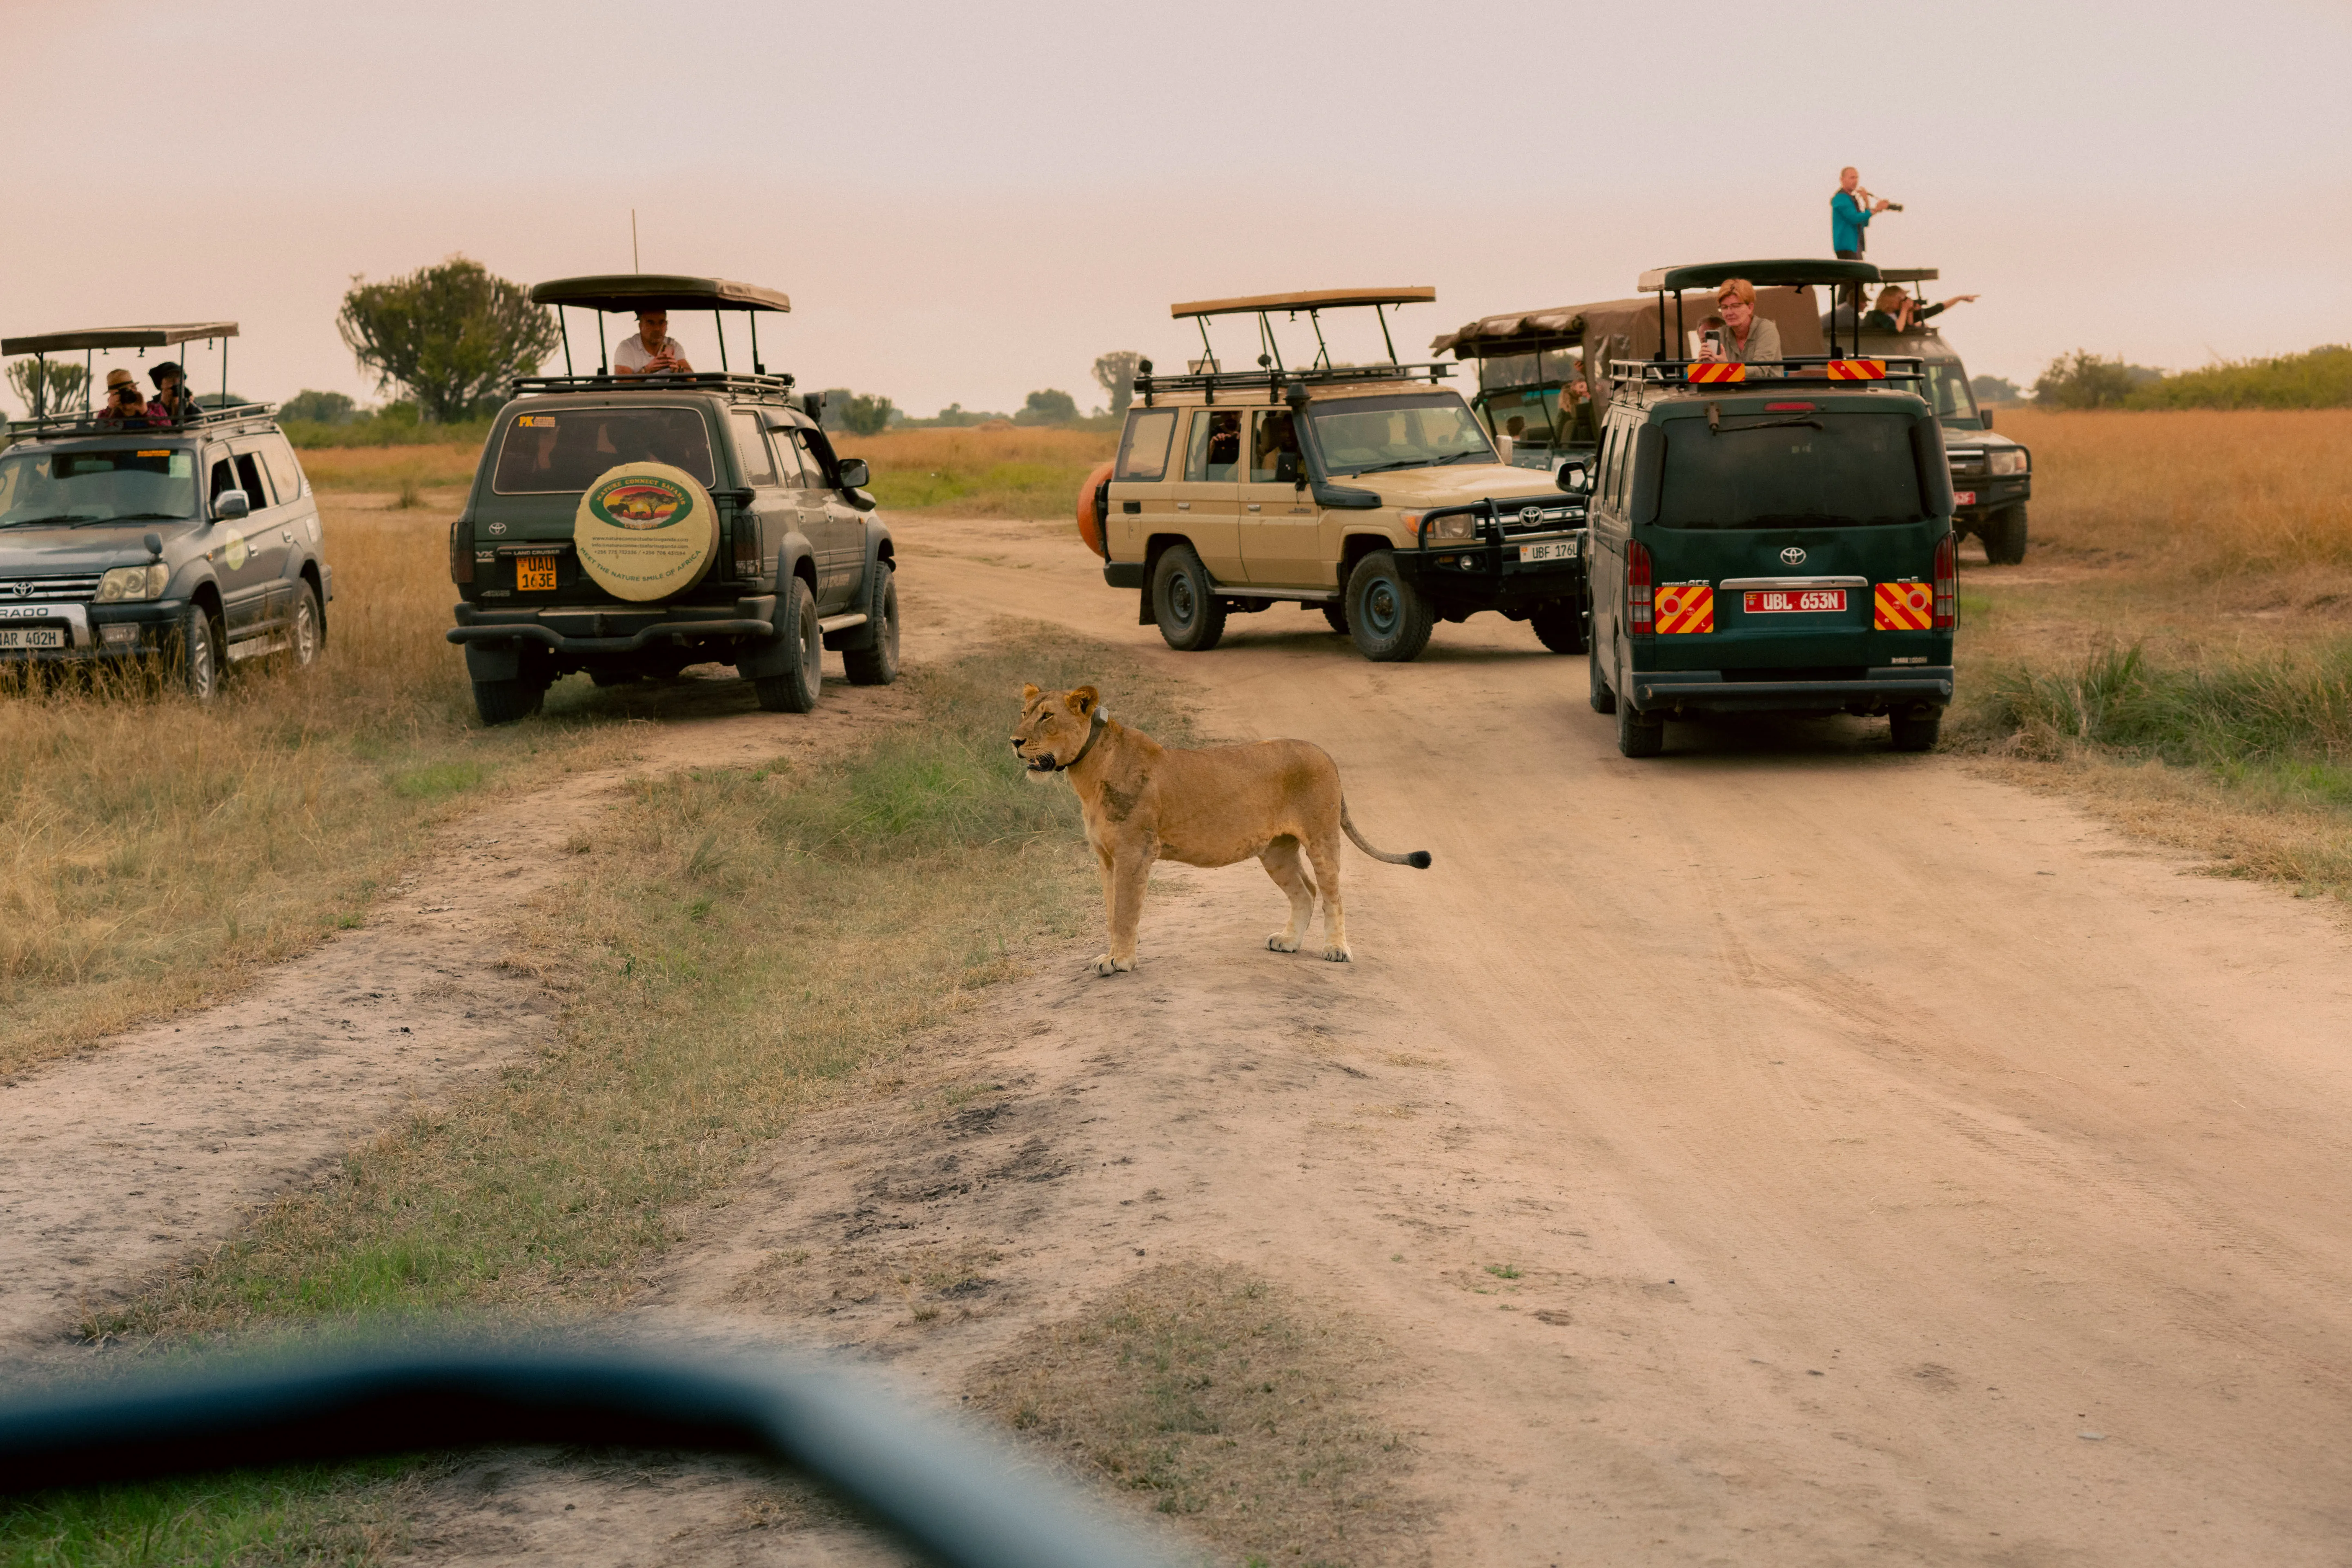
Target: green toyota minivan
pixel 1769 537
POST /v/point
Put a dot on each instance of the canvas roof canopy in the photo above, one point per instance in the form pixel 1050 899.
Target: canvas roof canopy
pixel 1908 274
pixel 1711 274
pixel 1525 331
pixel 149 337
pixel 656 291
pixel 1310 300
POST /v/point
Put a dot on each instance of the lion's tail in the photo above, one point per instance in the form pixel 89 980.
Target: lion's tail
pixel 1418 859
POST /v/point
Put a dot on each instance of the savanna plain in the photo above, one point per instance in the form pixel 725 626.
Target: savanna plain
pixel 1780 1152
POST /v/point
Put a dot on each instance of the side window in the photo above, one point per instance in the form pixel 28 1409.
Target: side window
pixel 1143 449
pixel 223 479
pixel 1215 451
pixel 816 457
pixel 1597 483
pixel 249 480
pixel 1272 434
pixel 751 450
pixel 285 473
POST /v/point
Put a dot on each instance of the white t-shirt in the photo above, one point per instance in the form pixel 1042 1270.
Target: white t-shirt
pixel 633 353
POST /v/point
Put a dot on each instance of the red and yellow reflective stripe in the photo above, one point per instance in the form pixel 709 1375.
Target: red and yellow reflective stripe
pixel 1685 607
pixel 1857 370
pixel 1903 607
pixel 1718 370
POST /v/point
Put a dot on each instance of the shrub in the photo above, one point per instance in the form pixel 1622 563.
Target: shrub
pixel 2318 378
pixel 2085 380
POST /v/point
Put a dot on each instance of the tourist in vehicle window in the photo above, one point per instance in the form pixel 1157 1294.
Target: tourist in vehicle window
pixel 1215 453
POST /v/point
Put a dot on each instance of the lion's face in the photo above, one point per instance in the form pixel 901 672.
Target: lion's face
pixel 1054 726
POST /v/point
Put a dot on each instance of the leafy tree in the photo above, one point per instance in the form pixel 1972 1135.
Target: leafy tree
pixel 452 335
pixel 1048 407
pixel 2085 380
pixel 859 413
pixel 1115 374
pixel 319 407
pixel 1996 389
pixel 47 384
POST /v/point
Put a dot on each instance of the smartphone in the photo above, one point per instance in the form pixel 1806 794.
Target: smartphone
pixel 1711 342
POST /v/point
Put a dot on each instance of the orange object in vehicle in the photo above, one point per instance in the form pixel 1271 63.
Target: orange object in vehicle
pixel 1902 607
pixel 1719 370
pixel 1091 510
pixel 1856 369
pixel 1685 607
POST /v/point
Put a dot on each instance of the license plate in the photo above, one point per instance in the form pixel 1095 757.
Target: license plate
pixel 534 572
pixel 1792 601
pixel 32 637
pixel 1549 549
pixel 1965 498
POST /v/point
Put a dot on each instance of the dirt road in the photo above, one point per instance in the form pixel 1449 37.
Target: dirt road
pixel 1927 1173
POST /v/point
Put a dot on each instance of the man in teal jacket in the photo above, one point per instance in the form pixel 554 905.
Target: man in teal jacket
pixel 1849 216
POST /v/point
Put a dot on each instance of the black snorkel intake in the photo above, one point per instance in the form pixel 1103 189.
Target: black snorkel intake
pixel 1046 763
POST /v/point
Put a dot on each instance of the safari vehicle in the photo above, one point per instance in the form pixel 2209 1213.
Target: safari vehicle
pixel 192 543
pixel 1368 492
pixel 1527 359
pixel 1773 538
pixel 629 526
pixel 1992 475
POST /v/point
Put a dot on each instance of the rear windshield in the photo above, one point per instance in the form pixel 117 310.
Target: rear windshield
pixel 125 484
pixel 1368 435
pixel 1780 471
pixel 565 449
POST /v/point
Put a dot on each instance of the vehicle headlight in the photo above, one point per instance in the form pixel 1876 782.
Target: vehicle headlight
pixel 126 584
pixel 1453 525
pixel 2008 460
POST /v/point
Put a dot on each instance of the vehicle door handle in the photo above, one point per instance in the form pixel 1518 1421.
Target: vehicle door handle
pixel 1183 506
pixel 1253 506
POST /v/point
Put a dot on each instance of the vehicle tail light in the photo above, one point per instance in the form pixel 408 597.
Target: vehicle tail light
pixel 1641 614
pixel 461 550
pixel 1947 583
pixel 747 545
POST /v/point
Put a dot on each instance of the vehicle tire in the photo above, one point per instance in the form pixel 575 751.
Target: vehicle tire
pixel 1603 700
pixel 1387 616
pixel 2004 536
pixel 1185 601
pixel 1912 734
pixel 876 664
pixel 1335 614
pixel 613 677
pixel 1638 734
pixel 195 662
pixel 796 690
pixel 1559 627
pixel 504 702
pixel 303 636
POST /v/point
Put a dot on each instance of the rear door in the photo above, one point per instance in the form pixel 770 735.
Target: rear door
pixel 1281 530
pixel 1208 497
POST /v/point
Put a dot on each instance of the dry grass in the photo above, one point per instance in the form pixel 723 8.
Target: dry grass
pixel 980 473
pixel 154 853
pixel 1209 1394
pixel 388 468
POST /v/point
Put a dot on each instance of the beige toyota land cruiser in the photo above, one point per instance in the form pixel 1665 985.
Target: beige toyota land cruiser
pixel 1369 492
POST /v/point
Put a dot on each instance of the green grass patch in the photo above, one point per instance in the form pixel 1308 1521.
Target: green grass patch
pixel 321 1517
pixel 1032 489
pixel 437 780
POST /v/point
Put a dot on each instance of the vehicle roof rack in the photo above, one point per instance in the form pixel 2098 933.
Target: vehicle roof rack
pixel 94 422
pixel 1271 371
pixel 1844 372
pixel 1276 381
pixel 1715 274
pixel 1908 274
pixel 656 291
pixel 697 381
pixel 1308 299
pixel 149 337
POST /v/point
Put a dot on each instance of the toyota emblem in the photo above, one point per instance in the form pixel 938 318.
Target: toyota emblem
pixel 1530 515
pixel 21 590
pixel 1792 556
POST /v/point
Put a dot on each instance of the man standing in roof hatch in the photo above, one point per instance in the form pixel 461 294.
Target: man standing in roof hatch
pixel 1849 216
pixel 651 350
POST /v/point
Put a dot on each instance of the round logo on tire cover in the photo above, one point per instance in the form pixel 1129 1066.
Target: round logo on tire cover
pixel 645 530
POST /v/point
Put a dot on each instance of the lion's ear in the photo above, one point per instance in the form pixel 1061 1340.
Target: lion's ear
pixel 1082 702
pixel 1028 695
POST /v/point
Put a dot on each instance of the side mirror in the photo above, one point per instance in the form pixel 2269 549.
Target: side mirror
pixel 229 505
pixel 853 475
pixel 1985 415
pixel 1286 470
pixel 1571 477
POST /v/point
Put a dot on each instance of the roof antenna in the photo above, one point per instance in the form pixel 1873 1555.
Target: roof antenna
pixel 636 264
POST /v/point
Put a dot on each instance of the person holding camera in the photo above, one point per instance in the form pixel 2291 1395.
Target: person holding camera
pixel 1850 210
pixel 1745 337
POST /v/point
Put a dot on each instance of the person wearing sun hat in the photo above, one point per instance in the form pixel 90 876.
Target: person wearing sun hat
pixel 171 403
pixel 123 400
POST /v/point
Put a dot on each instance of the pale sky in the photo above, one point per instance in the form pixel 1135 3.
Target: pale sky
pixel 969 201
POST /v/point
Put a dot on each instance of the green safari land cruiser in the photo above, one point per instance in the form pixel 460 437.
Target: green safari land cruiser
pixel 631 525
pixel 1773 536
pixel 1369 492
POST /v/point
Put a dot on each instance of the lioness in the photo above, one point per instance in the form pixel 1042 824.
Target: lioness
pixel 1144 802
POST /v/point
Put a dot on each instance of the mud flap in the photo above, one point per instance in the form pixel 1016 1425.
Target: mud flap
pixel 773 656
pixel 493 661
pixel 859 638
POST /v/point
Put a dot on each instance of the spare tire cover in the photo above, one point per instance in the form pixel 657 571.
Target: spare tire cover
pixel 645 530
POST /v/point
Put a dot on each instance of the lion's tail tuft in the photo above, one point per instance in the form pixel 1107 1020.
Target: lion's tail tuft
pixel 1418 859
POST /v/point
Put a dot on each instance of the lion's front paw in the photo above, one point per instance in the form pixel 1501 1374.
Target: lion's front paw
pixel 1283 942
pixel 1337 953
pixel 1104 964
